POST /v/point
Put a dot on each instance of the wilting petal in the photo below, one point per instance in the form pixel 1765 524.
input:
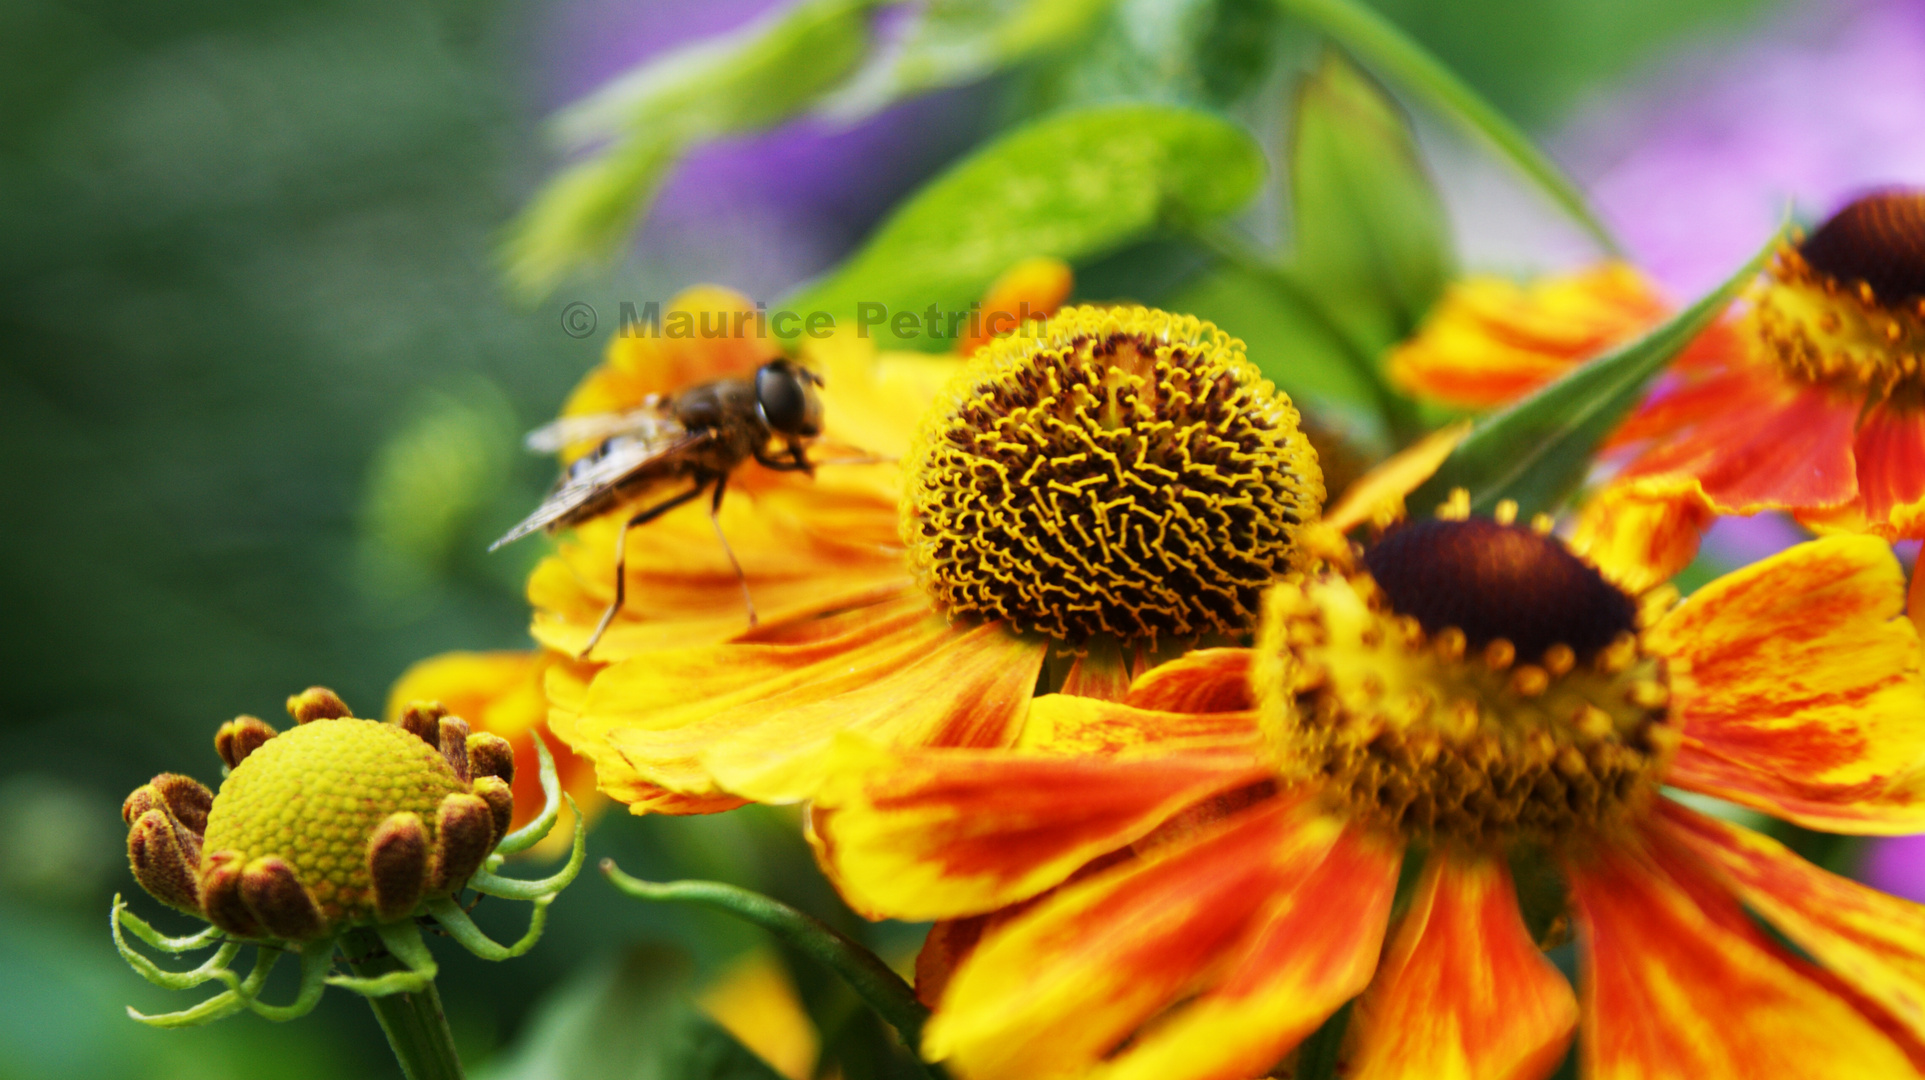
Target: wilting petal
pixel 757 718
pixel 1463 993
pixel 941 833
pixel 1641 533
pixel 1051 993
pixel 1890 452
pixel 1067 724
pixel 1875 942
pixel 1769 445
pixel 1797 683
pixel 1313 948
pixel 1679 983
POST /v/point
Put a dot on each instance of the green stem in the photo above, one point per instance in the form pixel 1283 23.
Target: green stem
pixel 416 1027
pixel 1398 413
pixel 1382 45
pixel 872 980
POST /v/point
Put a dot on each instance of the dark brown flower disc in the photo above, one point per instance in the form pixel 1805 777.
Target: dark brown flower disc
pixel 1878 239
pixel 1498 581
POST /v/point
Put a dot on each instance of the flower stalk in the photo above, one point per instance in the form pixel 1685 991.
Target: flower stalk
pixel 416 1027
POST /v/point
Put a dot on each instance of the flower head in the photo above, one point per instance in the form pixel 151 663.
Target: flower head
pixel 335 824
pixel 1811 401
pixel 1185 882
pixel 1104 484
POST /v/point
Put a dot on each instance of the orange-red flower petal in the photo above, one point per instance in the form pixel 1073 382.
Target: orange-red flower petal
pixel 1053 993
pixel 1463 994
pixel 1678 983
pixel 1313 948
pixel 947 833
pixel 758 718
pixel 567 687
pixel 1890 454
pixel 1798 688
pixel 1874 941
pixel 1641 533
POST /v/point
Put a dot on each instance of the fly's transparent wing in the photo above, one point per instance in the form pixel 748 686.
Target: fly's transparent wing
pixel 649 420
pixel 620 458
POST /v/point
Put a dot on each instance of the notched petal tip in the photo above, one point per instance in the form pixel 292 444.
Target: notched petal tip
pixel 500 798
pixel 452 738
pixel 274 895
pixel 464 834
pixel 317 703
pixel 491 755
pixel 163 860
pixel 423 718
pixel 220 888
pixel 240 737
pixel 398 865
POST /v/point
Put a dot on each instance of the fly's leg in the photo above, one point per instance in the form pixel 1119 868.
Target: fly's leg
pixel 621 555
pixel 795 462
pixel 715 510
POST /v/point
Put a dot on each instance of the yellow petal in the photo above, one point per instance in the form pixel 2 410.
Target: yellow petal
pixel 1798 687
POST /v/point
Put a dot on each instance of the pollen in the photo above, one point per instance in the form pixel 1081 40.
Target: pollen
pixel 1467 682
pixel 1846 306
pixel 1117 471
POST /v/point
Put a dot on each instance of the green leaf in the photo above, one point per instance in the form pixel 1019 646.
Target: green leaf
pixel 872 980
pixel 1372 237
pixel 641 124
pixel 1295 349
pixel 631 1020
pixel 1072 186
pixel 1380 44
pixel 1212 53
pixel 957 41
pixel 1538 450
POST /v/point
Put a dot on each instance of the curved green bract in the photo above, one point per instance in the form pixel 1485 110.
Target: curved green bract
pixel 535 831
pixel 463 929
pixel 872 980
pixel 516 889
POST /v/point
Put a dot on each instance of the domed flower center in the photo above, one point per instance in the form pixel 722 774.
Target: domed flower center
pixel 1113 471
pixel 1471 681
pixel 1847 305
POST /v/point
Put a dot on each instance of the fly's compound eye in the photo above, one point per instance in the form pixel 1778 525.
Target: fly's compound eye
pixel 785 395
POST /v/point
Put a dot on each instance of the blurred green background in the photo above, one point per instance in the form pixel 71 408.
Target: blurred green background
pixel 261 394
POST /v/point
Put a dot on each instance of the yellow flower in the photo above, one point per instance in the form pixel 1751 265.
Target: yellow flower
pixel 1184 883
pixel 1106 484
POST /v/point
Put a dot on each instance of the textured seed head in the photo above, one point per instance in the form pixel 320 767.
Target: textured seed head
pixel 1112 471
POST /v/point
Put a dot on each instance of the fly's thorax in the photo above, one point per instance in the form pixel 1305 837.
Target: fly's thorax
pixel 1120 471
pixel 1846 306
pixel 1399 687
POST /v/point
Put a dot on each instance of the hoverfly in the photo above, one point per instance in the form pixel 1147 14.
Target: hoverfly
pixel 701 435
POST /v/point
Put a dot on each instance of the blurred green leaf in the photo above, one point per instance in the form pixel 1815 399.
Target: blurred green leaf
pixel 1538 450
pixel 1292 347
pixel 1372 237
pixel 1071 186
pixel 642 123
pixel 633 1020
pixel 958 41
pixel 1213 53
pixel 1382 45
